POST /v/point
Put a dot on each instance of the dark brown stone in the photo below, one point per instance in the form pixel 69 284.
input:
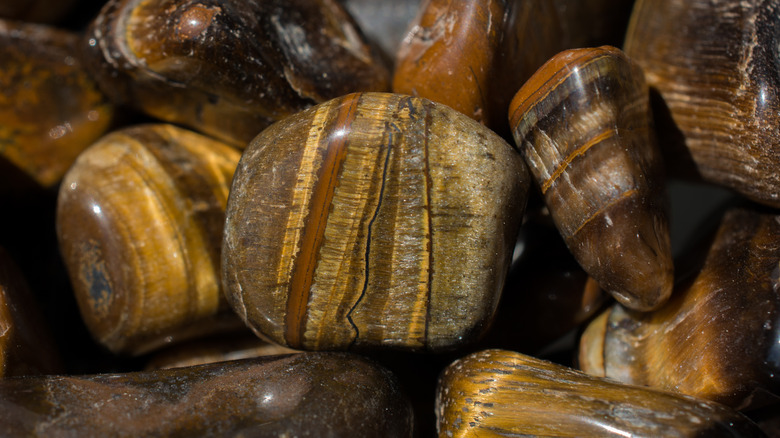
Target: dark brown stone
pixel 583 125
pixel 316 394
pixel 229 68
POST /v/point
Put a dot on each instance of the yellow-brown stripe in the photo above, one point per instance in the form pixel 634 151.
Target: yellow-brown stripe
pixel 314 228
pixel 548 80
pixel 427 268
pixel 562 165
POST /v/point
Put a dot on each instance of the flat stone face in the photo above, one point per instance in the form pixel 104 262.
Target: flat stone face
pixel 313 394
pixel 373 220
pixel 502 393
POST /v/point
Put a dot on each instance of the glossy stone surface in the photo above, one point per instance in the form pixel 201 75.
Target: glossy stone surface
pixel 372 221
pixel 502 393
pixel 139 220
pixel 229 68
pixel 583 125
pixel 717 84
pixel 317 394
pixel 473 55
pixel 50 109
pixel 717 338
pixel 26 346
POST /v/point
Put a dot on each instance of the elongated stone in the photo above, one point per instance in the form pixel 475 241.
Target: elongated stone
pixel 502 393
pixel 717 338
pixel 317 394
pixel 583 125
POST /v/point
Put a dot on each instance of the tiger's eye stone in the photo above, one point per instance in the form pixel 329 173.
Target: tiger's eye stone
pixel 139 220
pixel 315 394
pixel 469 55
pixel 502 393
pixel 449 56
pixel 718 83
pixel 26 346
pixel 472 55
pixel 50 109
pixel 229 68
pixel 372 220
pixel 717 338
pixel 583 125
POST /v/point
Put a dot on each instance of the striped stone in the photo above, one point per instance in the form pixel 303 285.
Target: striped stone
pixel 583 125
pixel 501 393
pixel 372 220
pixel 139 221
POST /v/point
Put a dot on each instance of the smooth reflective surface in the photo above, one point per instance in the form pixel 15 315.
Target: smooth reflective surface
pixel 139 221
pixel 717 337
pixel 325 394
pixel 50 108
pixel 171 60
pixel 583 125
pixel 502 393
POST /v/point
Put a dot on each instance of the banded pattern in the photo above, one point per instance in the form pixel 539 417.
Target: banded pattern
pixel 471 55
pixel 372 220
pixel 583 126
pixel 229 68
pixel 502 393
pixel 140 218
pixel 718 99
pixel 717 338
